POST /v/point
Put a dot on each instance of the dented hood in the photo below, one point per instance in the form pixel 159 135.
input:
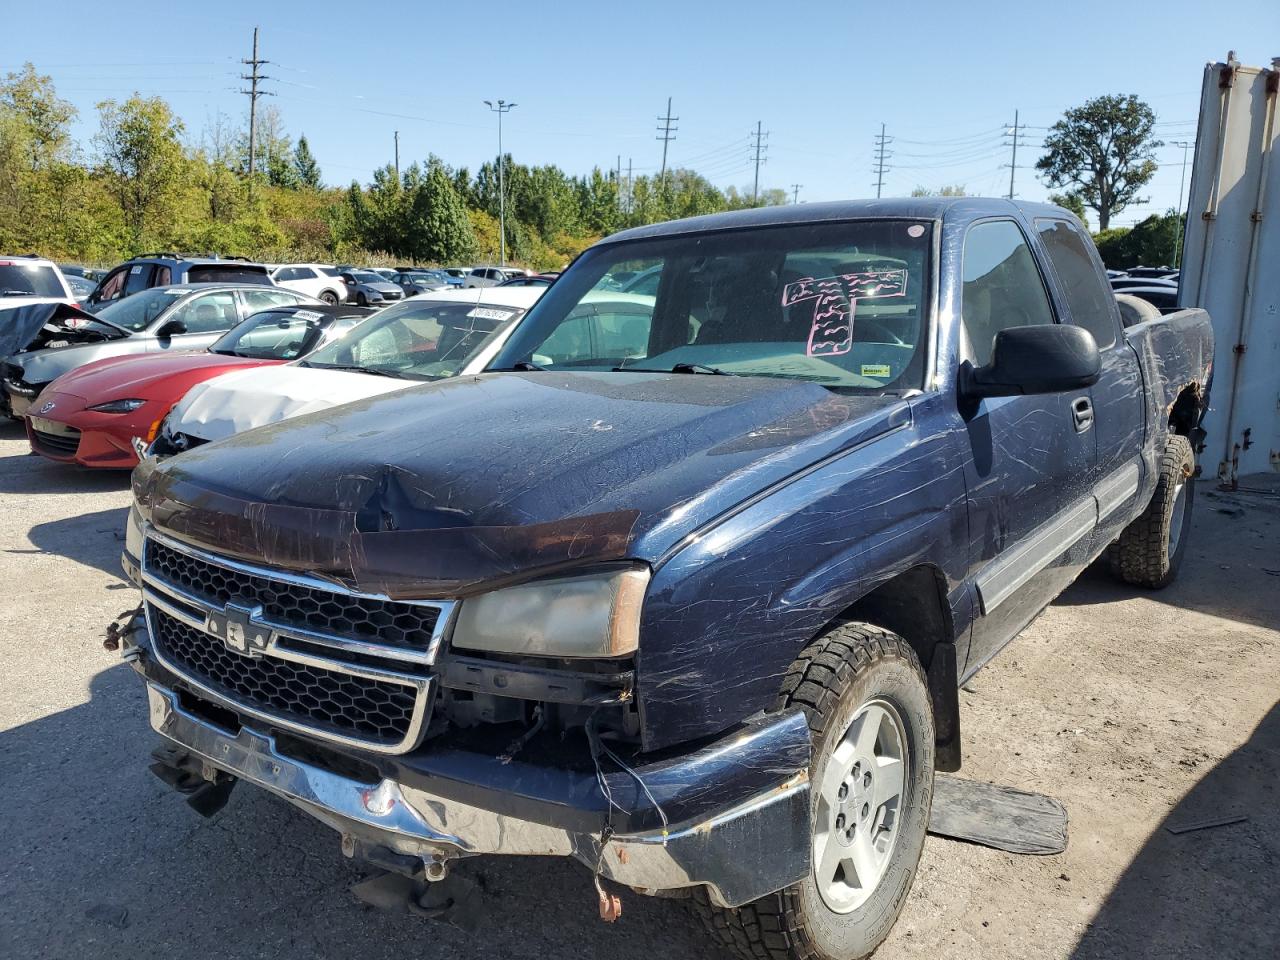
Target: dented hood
pixel 246 399
pixel 440 489
pixel 21 326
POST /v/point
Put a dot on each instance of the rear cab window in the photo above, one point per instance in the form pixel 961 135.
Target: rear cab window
pixel 1090 304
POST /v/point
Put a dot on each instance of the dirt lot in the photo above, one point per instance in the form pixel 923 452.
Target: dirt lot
pixel 1136 710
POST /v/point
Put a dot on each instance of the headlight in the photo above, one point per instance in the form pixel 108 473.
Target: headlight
pixel 597 615
pixel 117 406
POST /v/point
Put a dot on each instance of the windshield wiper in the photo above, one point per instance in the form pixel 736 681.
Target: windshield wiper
pixel 356 368
pixel 16 293
pixel 680 368
pixel 520 365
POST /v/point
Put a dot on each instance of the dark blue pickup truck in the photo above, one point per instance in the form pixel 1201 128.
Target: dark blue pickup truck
pixel 684 587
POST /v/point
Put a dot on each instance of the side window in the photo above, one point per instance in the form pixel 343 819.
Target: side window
pixel 266 299
pixel 139 278
pixel 571 341
pixel 161 277
pixel 1002 287
pixel 211 313
pixel 304 273
pixel 286 273
pixel 1092 305
pixel 113 287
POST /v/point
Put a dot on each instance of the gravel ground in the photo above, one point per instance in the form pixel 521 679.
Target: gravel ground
pixel 1136 710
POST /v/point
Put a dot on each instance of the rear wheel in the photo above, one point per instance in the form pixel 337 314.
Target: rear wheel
pixel 1149 551
pixel 329 297
pixel 864 694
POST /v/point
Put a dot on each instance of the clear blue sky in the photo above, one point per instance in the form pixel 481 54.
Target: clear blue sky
pixel 591 78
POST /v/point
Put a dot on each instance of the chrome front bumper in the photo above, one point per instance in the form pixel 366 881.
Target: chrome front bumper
pixel 739 854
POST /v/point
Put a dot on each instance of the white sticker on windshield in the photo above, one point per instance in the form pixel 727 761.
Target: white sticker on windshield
pixel 488 313
pixel 308 315
pixel 834 302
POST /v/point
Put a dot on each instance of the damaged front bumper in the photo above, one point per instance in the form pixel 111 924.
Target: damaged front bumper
pixel 739 847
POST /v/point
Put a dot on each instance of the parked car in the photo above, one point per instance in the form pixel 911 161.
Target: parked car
pixel 25 280
pixel 317 280
pixel 385 272
pixel 80 288
pixel 428 337
pixel 414 282
pixel 535 280
pixel 1161 296
pixel 174 318
pixel 368 288
pixel 97 414
pixel 484 277
pixel 173 269
pixel 687 599
pixel 1126 283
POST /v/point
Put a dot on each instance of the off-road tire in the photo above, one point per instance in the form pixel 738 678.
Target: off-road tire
pixel 1141 554
pixel 830 681
pixel 329 297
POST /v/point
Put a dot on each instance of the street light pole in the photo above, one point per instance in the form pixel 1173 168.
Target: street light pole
pixel 501 108
pixel 1177 237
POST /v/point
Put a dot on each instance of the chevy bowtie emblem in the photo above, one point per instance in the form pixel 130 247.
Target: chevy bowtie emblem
pixel 240 629
pixel 48 407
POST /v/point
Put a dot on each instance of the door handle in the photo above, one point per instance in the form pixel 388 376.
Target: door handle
pixel 1082 414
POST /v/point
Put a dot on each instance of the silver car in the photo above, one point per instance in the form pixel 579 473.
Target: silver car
pixel 367 288
pixel 181 317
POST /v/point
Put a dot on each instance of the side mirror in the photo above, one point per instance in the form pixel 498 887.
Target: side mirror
pixel 1047 358
pixel 171 328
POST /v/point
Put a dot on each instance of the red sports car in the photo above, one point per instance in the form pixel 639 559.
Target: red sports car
pixel 91 415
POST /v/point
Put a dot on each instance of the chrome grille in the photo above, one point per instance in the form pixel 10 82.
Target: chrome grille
pixel 370 619
pixel 299 653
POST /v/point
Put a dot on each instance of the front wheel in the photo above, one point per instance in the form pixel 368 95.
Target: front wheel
pixel 1149 551
pixel 871 779
pixel 362 300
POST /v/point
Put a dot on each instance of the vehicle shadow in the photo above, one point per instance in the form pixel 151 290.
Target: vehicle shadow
pixel 29 473
pixel 1231 568
pixel 1157 911
pixel 92 539
pixel 107 862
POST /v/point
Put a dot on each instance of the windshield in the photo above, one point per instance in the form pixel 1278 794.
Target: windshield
pixel 417 339
pixel 138 311
pixel 274 335
pixel 29 280
pixel 366 277
pixel 839 304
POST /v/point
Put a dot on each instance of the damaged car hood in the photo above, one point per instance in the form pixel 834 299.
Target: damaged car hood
pixel 436 490
pixel 246 399
pixel 48 323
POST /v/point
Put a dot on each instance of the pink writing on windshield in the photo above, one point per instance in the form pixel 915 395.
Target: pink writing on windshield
pixel 834 302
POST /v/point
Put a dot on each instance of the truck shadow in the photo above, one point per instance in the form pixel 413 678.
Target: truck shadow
pixel 1157 911
pixel 92 539
pixel 109 863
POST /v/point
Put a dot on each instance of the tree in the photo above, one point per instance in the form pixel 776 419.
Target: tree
pixel 439 229
pixel 1103 152
pixel 30 98
pixel 305 167
pixel 140 148
pixel 1072 202
pixel 953 190
pixel 1150 243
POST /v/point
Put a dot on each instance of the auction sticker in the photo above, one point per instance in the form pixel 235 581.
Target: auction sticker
pixel 488 313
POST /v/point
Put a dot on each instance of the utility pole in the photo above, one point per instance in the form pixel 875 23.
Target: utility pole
pixel 795 192
pixel 759 147
pixel 629 182
pixel 618 183
pixel 1013 161
pixel 1177 239
pixel 254 78
pixel 500 109
pixel 666 133
pixel 881 169
pixel 397 159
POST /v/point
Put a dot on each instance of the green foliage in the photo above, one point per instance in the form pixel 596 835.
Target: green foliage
pixel 953 190
pixel 1151 243
pixel 305 168
pixel 146 187
pixel 1072 202
pixel 1103 152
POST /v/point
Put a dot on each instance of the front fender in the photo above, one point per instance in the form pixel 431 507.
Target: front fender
pixel 728 612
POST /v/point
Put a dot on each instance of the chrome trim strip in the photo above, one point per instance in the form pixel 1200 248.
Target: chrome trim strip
pixel 1117 489
pixel 1002 577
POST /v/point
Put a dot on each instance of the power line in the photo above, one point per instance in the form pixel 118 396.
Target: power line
pixel 881 168
pixel 1177 237
pixel 759 149
pixel 254 78
pixel 795 192
pixel 666 133
pixel 1013 140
